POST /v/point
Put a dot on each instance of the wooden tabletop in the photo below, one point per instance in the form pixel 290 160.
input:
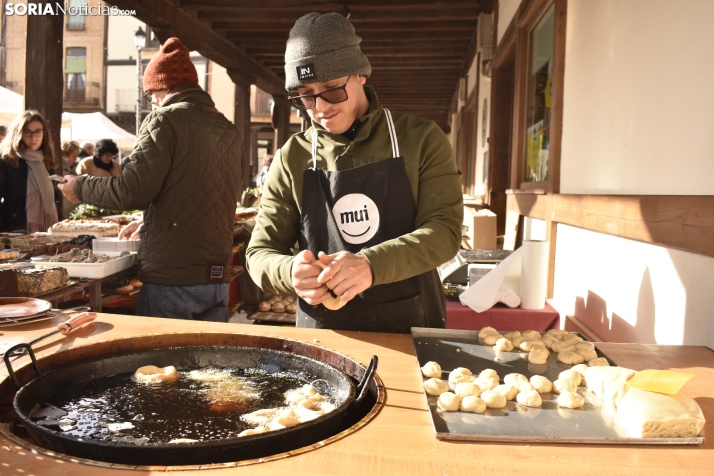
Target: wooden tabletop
pixel 400 440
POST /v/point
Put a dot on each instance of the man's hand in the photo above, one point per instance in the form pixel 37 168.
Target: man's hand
pixel 131 231
pixel 67 188
pixel 346 274
pixel 304 276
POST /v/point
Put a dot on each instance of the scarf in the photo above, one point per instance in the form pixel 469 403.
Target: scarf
pixel 101 165
pixel 40 203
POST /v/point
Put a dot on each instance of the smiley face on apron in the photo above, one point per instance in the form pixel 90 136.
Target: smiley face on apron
pixel 357 218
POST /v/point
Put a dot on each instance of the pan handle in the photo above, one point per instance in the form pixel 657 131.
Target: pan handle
pixel 8 364
pixel 363 385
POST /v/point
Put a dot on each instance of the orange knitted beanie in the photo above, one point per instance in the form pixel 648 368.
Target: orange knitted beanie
pixel 170 66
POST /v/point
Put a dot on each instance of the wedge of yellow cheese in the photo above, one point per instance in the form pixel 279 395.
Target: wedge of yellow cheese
pixel 661 381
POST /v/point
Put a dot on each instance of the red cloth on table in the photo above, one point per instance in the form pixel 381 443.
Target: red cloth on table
pixel 501 318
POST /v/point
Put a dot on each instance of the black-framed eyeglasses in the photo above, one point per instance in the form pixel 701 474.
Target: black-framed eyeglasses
pixel 147 95
pixel 37 133
pixel 333 96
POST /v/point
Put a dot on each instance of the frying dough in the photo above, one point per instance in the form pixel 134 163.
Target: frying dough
pixel 181 441
pixel 541 384
pixel 332 303
pixel 449 402
pixel 487 331
pixel 152 375
pixel 491 339
pixel 559 347
pixel 503 344
pixel 507 390
pixel 488 373
pixel 473 405
pixel 465 389
pixel 599 362
pixel 431 370
pixel 538 356
pixel 511 335
pixel 572 375
pixel 657 415
pixel 493 399
pixel 568 357
pixel 435 386
pixel 530 398
pixel 512 378
pixel 570 400
pixel 564 385
pixel 252 431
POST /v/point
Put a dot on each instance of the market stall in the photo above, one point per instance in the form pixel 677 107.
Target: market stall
pixel 400 438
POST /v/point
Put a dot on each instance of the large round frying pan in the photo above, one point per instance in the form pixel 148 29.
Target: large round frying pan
pixel 341 389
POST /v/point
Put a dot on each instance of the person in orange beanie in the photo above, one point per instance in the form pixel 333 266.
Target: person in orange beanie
pixel 184 173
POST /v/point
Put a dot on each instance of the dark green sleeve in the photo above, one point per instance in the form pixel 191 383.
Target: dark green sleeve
pixel 440 209
pixel 269 255
pixel 144 175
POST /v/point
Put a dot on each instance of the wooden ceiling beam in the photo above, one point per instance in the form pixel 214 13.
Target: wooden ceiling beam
pixel 167 16
pixel 358 19
pixel 332 6
pixel 377 36
pixel 264 27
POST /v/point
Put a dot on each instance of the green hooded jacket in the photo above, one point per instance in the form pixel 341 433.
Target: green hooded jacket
pixel 184 172
pixel 435 181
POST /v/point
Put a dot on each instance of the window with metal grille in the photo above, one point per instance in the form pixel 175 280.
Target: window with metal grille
pixel 77 21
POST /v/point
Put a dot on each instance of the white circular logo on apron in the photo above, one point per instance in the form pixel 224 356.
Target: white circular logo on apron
pixel 357 218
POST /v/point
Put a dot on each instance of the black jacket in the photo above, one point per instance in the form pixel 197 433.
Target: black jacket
pixel 13 191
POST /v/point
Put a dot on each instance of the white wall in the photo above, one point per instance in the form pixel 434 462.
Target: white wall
pixel 639 98
pixel 119 78
pixel 506 10
pixel 626 291
pixel 120 37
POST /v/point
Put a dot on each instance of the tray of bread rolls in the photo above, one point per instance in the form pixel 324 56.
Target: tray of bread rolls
pixel 553 387
pixel 276 308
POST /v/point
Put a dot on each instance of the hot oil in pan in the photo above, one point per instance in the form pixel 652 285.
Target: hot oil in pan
pixel 120 409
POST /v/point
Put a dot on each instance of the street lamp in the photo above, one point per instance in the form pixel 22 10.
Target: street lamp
pixel 140 42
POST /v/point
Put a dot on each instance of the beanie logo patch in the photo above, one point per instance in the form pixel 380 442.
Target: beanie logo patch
pixel 306 71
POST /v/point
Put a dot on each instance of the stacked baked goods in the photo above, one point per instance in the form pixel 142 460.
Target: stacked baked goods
pixel 85 226
pixel 32 281
pixel 279 304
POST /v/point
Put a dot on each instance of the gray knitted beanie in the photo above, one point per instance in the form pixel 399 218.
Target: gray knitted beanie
pixel 321 48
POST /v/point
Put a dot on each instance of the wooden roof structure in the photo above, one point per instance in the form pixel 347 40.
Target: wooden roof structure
pixel 418 49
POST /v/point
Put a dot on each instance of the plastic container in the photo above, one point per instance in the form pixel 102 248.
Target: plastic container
pixel 102 245
pixel 94 270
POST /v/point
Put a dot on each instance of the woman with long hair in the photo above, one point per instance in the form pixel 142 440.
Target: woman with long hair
pixel 70 153
pixel 102 163
pixel 26 161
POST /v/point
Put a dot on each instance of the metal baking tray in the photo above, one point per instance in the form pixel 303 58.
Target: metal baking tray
pixel 517 423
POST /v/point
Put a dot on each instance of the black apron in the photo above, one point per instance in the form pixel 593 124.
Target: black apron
pixel 354 209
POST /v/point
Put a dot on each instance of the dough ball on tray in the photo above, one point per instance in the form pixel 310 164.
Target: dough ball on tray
pixel 588 355
pixel 572 339
pixel 493 399
pixel 527 345
pixel 531 335
pixel 570 400
pixel 507 390
pixel 513 378
pixel 541 384
pixel 573 375
pixel 466 389
pixel 511 335
pixel 538 356
pixel 435 386
pixel 559 347
pixel 487 331
pixel 488 373
pixel 486 383
pixel 571 358
pixel 585 346
pixel 599 362
pixel 473 405
pixel 491 339
pixel 431 370
pixel 503 345
pixel 530 398
pixel 564 385
pixel 449 402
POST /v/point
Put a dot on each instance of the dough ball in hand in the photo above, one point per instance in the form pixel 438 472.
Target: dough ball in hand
pixel 599 362
pixel 572 375
pixel 431 370
pixel 538 356
pixel 541 384
pixel 503 345
pixel 570 400
pixel 507 390
pixel 513 378
pixel 564 385
pixel 571 358
pixel 493 399
pixel 466 389
pixel 487 331
pixel 449 402
pixel 435 386
pixel 473 405
pixel 531 398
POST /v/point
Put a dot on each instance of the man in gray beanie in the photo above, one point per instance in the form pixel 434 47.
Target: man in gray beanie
pixel 372 197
